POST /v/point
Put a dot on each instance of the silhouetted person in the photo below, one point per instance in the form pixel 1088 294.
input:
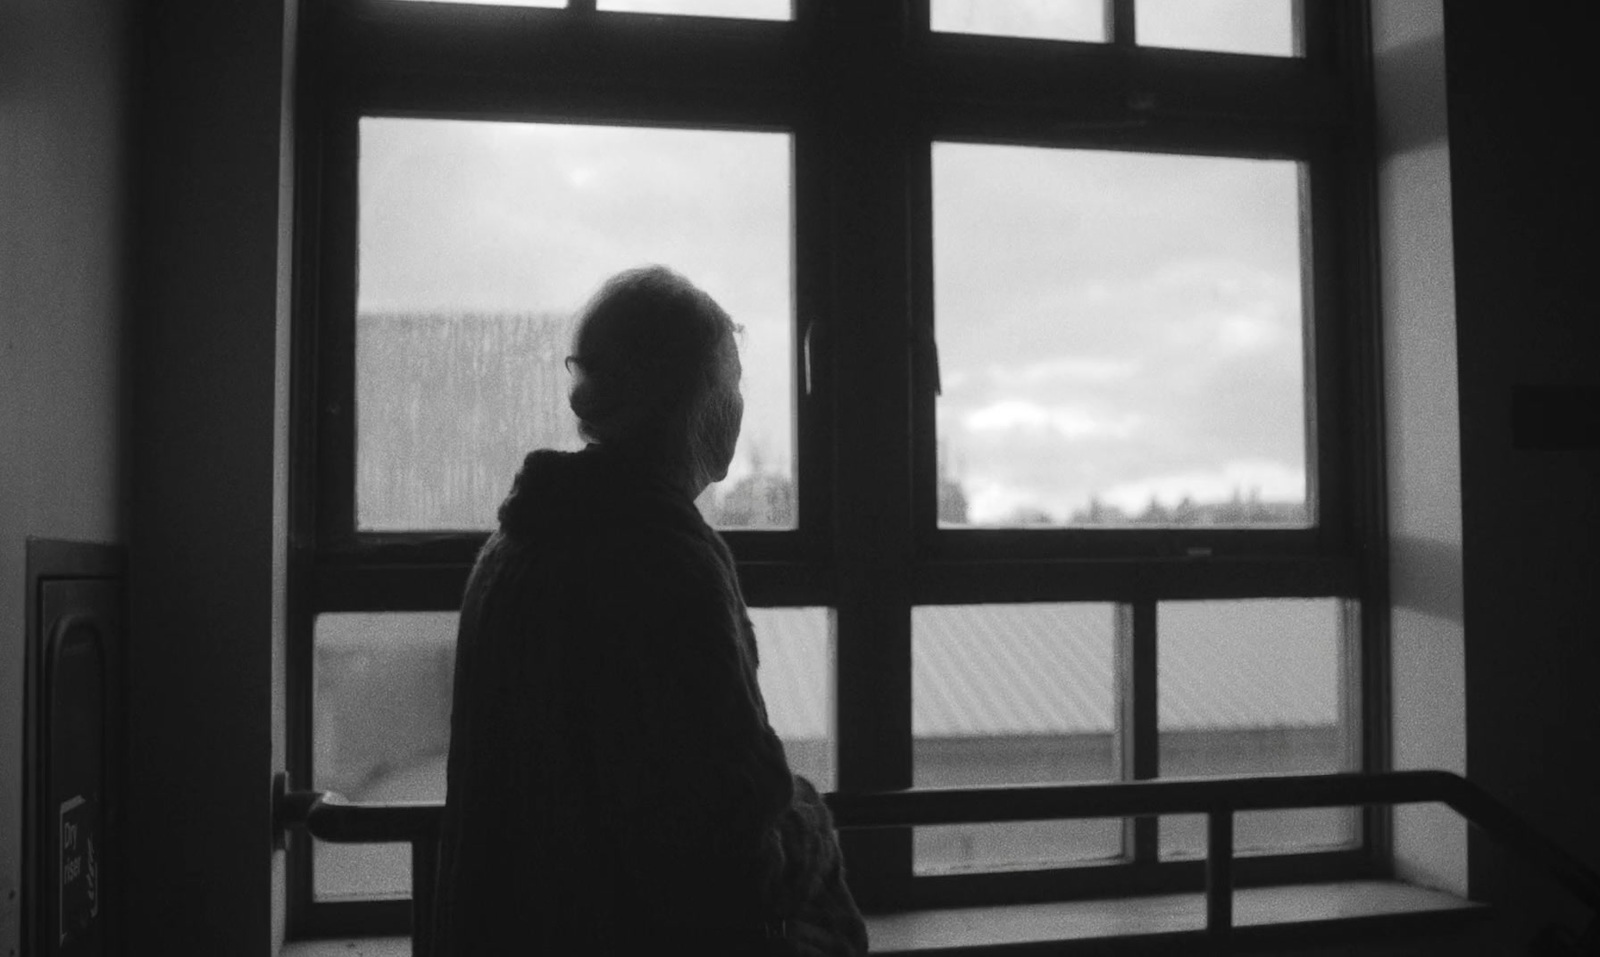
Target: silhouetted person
pixel 614 786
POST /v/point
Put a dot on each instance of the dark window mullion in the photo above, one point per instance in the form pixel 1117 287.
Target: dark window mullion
pixel 999 87
pixel 1120 24
pixel 1326 32
pixel 1138 731
pixel 335 388
pixel 1333 332
pixel 923 346
pixel 977 582
pixel 815 387
pixel 519 61
pixel 918 16
pixel 1364 714
pixel 872 370
pixel 873 478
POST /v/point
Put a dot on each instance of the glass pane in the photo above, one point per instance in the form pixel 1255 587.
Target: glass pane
pixel 796 677
pixel 745 9
pixel 1255 687
pixel 1013 694
pixel 479 240
pixel 380 731
pixel 1268 27
pixel 360 871
pixel 381 724
pixel 1119 338
pixel 1045 19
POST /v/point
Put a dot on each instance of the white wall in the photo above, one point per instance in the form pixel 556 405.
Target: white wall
pixel 1423 431
pixel 62 118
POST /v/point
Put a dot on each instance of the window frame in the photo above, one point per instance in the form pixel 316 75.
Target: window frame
pixel 864 90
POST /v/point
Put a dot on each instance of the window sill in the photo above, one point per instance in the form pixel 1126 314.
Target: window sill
pixel 1298 911
pixel 1302 912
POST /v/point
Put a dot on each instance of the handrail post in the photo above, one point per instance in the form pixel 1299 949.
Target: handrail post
pixel 1219 880
pixel 424 871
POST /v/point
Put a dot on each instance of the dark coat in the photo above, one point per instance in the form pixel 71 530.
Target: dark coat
pixel 614 786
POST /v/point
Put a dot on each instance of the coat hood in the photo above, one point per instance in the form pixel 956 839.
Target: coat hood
pixel 571 491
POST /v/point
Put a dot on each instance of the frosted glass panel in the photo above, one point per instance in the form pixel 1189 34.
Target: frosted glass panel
pixel 1013 694
pixel 381 719
pixel 796 677
pixel 1255 687
pixel 380 733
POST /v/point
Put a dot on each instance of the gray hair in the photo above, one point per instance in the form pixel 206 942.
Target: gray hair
pixel 648 351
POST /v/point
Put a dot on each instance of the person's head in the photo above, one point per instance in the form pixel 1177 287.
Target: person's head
pixel 656 374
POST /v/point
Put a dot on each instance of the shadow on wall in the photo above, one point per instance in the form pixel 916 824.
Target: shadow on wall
pixel 1431 583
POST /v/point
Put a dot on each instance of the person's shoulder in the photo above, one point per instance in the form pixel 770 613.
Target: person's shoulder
pixel 667 553
pixel 500 553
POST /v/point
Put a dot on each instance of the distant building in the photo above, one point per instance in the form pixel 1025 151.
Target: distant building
pixel 447 405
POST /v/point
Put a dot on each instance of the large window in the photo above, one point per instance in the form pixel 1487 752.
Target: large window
pixel 1058 461
pixel 478 240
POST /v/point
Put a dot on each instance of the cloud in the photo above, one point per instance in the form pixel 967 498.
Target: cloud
pixel 990 501
pixel 1245 334
pixel 1070 422
pixel 1083 369
pixel 483 215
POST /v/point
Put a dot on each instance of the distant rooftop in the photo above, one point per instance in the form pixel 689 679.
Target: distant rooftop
pixel 1038 669
pixel 1047 669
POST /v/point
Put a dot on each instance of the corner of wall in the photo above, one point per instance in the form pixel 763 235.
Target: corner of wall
pixel 1422 431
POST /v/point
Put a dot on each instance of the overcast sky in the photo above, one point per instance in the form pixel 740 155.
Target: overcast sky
pixel 1109 324
pixel 1117 324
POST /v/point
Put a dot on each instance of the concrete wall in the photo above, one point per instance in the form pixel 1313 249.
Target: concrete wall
pixel 62 326
pixel 1523 182
pixel 208 477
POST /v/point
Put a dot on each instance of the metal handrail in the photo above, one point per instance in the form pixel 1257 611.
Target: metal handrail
pixel 331 818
